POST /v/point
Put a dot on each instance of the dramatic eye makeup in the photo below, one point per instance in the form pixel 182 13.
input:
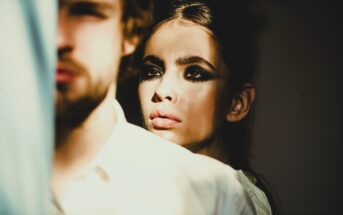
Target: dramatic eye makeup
pixel 150 71
pixel 197 73
pixel 194 68
pixel 198 69
pixel 152 67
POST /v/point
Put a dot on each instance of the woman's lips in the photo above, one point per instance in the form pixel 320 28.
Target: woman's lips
pixel 163 121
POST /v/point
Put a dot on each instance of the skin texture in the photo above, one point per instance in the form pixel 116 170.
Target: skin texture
pixel 184 81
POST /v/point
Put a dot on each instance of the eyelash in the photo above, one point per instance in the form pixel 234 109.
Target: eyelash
pixel 85 9
pixel 197 74
pixel 150 72
pixel 192 73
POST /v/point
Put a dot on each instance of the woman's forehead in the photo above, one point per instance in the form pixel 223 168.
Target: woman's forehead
pixel 174 37
pixel 180 38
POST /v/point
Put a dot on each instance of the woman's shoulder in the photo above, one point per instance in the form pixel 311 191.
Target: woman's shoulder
pixel 257 196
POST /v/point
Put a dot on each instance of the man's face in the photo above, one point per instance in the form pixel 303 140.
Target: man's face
pixel 89 46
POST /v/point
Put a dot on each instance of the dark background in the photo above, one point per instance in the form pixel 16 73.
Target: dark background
pixel 297 134
pixel 297 131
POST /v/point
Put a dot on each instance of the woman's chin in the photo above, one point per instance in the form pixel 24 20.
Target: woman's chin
pixel 169 135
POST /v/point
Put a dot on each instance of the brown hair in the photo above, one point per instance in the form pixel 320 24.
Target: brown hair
pixel 235 27
pixel 137 19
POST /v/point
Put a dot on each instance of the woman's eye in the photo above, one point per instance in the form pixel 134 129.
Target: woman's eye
pixel 86 9
pixel 196 73
pixel 149 72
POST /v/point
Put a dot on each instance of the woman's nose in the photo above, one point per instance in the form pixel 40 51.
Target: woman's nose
pixel 166 91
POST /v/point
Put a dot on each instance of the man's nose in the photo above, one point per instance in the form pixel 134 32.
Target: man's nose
pixel 63 41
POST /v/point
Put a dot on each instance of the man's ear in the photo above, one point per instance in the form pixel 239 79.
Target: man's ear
pixel 241 104
pixel 129 45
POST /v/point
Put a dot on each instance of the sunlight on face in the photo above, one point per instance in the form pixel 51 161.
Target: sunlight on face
pixel 183 89
pixel 89 45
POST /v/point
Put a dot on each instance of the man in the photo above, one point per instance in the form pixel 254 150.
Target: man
pixel 102 164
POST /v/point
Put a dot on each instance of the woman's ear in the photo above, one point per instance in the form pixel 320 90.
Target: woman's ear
pixel 129 45
pixel 241 104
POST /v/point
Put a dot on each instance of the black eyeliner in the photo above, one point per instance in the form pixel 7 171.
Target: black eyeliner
pixel 205 75
pixel 149 71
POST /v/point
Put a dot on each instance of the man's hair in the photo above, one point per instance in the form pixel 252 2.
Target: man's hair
pixel 137 17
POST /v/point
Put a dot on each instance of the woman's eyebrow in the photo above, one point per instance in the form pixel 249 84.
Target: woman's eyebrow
pixel 184 60
pixel 154 59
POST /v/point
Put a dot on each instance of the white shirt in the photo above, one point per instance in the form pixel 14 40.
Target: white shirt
pixel 257 196
pixel 137 172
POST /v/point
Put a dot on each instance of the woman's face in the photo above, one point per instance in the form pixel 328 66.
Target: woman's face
pixel 183 88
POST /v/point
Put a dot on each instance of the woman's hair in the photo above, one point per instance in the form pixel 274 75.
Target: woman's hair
pixel 235 28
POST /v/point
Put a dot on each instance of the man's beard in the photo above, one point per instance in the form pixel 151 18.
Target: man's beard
pixel 72 113
pixel 77 101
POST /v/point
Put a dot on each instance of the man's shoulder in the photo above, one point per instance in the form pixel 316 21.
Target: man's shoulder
pixel 206 181
pixel 145 140
pixel 147 144
pixel 202 183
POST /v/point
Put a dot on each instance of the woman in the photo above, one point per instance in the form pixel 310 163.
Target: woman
pixel 196 88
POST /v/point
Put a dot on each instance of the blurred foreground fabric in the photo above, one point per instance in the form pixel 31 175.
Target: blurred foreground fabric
pixel 27 56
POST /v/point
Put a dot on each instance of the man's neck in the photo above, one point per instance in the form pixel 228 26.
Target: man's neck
pixel 77 147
